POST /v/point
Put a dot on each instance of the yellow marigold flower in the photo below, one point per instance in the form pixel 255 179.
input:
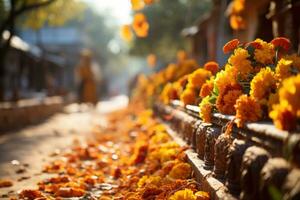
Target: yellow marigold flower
pixel 226 100
pixel 266 53
pixel 137 4
pixel 154 180
pixel 188 96
pixel 198 78
pixel 140 25
pixel 263 83
pixel 247 109
pixel 160 138
pixel 283 117
pixel 126 33
pixel 207 88
pixel 181 171
pixel 239 60
pixel 283 69
pixel 185 194
pixel 225 77
pixel 205 108
pixel 289 94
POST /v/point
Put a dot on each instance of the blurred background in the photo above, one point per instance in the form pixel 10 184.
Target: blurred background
pixel 44 42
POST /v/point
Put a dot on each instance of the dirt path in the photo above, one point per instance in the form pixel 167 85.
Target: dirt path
pixel 24 153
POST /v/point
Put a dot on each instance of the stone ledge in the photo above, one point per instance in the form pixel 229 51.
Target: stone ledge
pixel 216 189
pixel 242 165
pixel 26 112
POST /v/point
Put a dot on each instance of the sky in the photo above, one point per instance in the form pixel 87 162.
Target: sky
pixel 119 9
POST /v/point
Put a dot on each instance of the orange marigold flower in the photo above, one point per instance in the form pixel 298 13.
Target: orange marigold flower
pixel 254 44
pixel 283 118
pixel 226 100
pixel 282 43
pixel 212 66
pixel 231 45
pixel 126 33
pixel 198 78
pixel 188 96
pixel 239 60
pixel 207 88
pixel 247 109
pixel 284 69
pixel 140 25
pixel 137 4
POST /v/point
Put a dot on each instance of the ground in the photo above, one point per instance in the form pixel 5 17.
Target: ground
pixel 24 152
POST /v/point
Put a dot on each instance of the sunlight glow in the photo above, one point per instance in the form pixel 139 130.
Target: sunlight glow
pixel 120 9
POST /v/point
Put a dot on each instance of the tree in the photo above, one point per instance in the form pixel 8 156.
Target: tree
pixel 167 18
pixel 39 12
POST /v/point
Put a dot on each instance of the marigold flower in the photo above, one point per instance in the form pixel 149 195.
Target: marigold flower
pixel 239 60
pixel 226 100
pixel 265 54
pixel 151 60
pixel 205 108
pixel 254 44
pixel 237 22
pixel 137 4
pixel 181 171
pixel 207 88
pixel 231 45
pixel 168 93
pixel 283 117
pixel 282 43
pixel 188 96
pixel 289 94
pixel 185 194
pixel 126 33
pixel 198 78
pixel 140 25
pixel 283 69
pixel 263 83
pixel 225 77
pixel 212 66
pixel 247 109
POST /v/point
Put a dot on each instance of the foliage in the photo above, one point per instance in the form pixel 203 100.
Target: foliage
pixel 167 18
pixel 56 14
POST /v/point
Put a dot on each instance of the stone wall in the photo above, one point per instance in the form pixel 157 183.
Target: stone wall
pixel 256 162
pixel 25 112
